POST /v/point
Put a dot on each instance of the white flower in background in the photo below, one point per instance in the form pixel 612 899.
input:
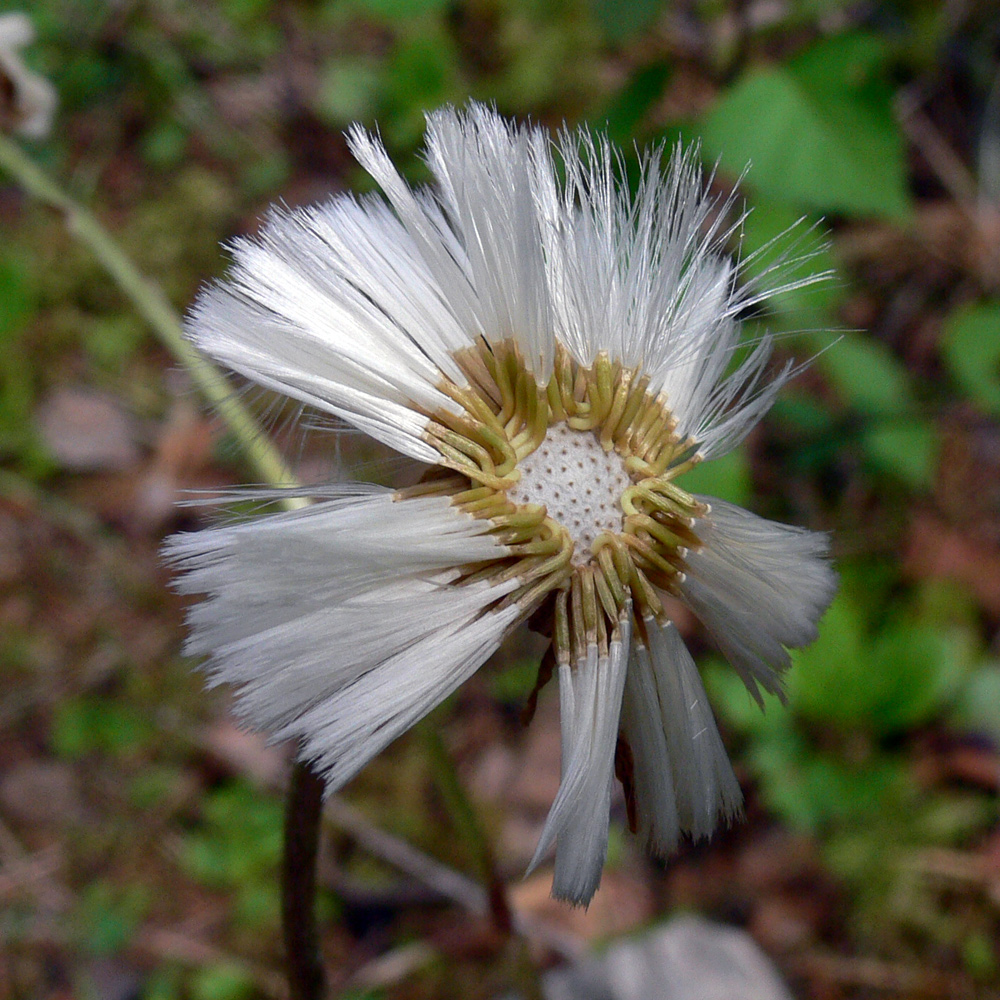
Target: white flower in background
pixel 559 352
pixel 29 100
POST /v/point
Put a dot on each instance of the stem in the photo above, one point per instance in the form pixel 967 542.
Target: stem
pixel 262 457
pixel 298 883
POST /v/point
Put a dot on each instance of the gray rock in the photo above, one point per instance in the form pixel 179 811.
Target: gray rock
pixel 687 959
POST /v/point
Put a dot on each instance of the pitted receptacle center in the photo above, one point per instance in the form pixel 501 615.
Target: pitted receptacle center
pixel 578 482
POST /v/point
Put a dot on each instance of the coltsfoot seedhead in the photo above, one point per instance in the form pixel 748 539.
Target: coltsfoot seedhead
pixel 559 352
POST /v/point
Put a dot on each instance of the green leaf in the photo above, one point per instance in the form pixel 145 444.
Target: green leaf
pixel 17 377
pixel 826 677
pixel 623 19
pixel 99 725
pixel 164 144
pixel 870 379
pixel 778 239
pixel 916 669
pixel 971 348
pixel 884 683
pixel 812 791
pixel 908 449
pixel 402 10
pixel 238 848
pixel 867 376
pixel 422 73
pixel 726 477
pixel 107 916
pixel 226 981
pixel 349 90
pixel 819 133
pixel 16 300
pixel 515 682
pixel 626 112
pixel 730 698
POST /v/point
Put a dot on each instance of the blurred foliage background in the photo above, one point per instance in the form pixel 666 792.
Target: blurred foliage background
pixel 140 831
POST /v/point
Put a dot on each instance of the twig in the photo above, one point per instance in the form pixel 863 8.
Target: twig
pixel 444 880
pixel 393 967
pixel 954 176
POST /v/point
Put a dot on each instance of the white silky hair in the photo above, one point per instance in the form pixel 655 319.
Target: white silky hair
pixel 645 277
pixel 653 784
pixel 590 700
pixel 758 586
pixel 682 779
pixel 705 787
pixel 356 307
pixel 342 734
pixel 340 625
pixel 269 569
pixel 303 606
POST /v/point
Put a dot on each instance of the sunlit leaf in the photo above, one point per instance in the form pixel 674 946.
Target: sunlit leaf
pixel 818 132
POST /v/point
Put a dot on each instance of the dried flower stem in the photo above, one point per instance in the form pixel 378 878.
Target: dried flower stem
pixel 262 457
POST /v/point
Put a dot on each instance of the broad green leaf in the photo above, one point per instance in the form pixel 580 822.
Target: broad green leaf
pixel 803 412
pixel 730 698
pixel 971 348
pixel 916 669
pixel 422 73
pixel 829 677
pixel 884 683
pixel 812 791
pixel 819 133
pixel 868 378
